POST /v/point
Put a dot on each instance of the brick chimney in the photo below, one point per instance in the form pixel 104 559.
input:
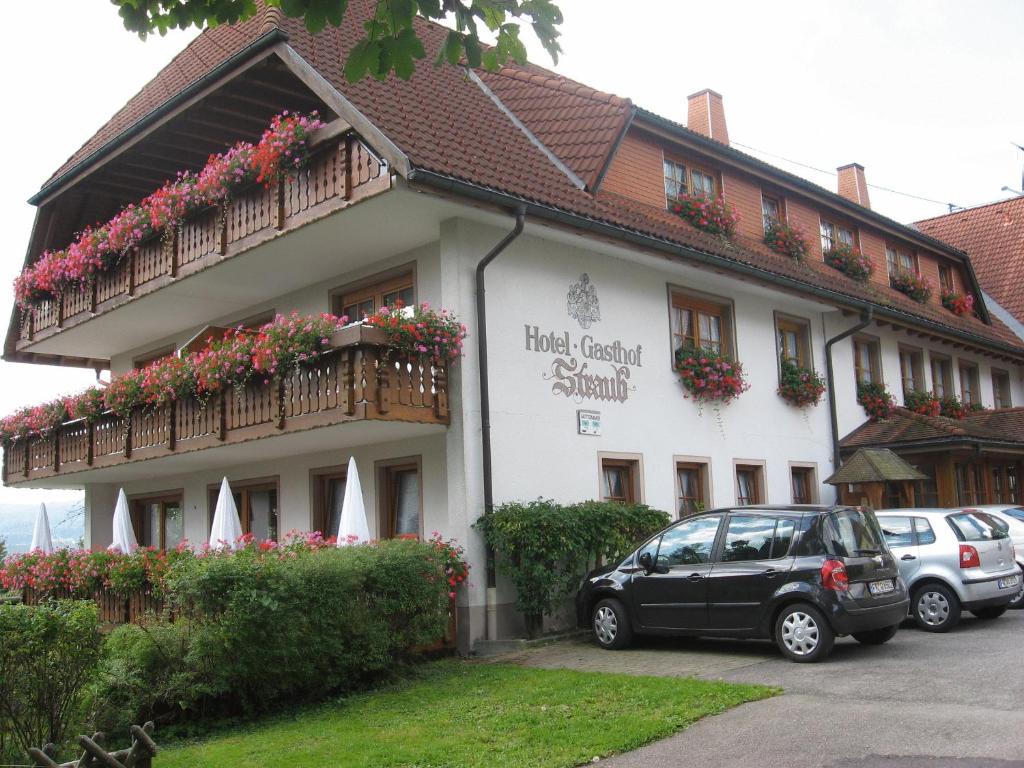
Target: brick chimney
pixel 706 115
pixel 853 185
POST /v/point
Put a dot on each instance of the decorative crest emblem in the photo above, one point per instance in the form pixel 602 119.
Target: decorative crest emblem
pixel 582 302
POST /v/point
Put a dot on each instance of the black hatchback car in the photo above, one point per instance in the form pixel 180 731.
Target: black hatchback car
pixel 800 575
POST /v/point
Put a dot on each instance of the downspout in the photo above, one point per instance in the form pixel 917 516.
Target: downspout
pixel 485 408
pixel 865 321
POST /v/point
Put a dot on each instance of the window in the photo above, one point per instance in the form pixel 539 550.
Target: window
pixel 689 543
pixel 356 303
pixel 159 521
pixel 401 499
pixel 911 373
pixel 975 526
pixel 926 493
pixel 923 529
pixel 803 483
pixel 946 278
pixel 898 531
pixel 256 501
pixel 771 210
pixel 749 484
pixel 328 487
pixel 682 180
pixel 1004 484
pixel 794 338
pixel 619 480
pixel 748 537
pixel 942 376
pixel 700 322
pixel 970 484
pixel 831 234
pixel 899 260
pixel 691 487
pixel 1001 389
pixel 866 360
pixel 969 388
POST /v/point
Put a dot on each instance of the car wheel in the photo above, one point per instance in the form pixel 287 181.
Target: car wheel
pixel 876 636
pixel 1018 600
pixel 803 634
pixel 611 625
pixel 936 608
pixel 990 613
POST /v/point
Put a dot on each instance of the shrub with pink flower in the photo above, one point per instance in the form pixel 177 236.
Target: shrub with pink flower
pixel 418 330
pixel 32 421
pixel 710 376
pixel 786 239
pixel 924 403
pixel 800 386
pixel 916 286
pixel 958 303
pixel 452 554
pixel 712 215
pixel 125 392
pixel 288 342
pixel 86 405
pixel 167 379
pixel 225 362
pixel 878 404
pixel 850 261
pixel 283 146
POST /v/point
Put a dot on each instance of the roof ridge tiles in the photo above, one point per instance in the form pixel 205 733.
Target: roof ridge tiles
pixel 558 82
pixel 972 209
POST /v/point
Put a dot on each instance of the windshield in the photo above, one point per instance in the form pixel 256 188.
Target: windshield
pixel 975 526
pixel 853 533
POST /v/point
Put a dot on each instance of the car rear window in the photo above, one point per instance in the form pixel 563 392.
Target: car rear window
pixel 1016 513
pixel 853 533
pixel 975 526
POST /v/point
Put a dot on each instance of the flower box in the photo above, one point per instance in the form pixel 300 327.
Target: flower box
pixel 924 403
pixel 710 215
pixel 912 284
pixel 876 400
pixel 709 376
pixel 786 239
pixel 850 261
pixel 952 408
pixel 800 386
pixel 958 303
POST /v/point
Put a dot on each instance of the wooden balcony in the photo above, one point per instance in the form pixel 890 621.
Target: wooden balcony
pixel 341 172
pixel 358 380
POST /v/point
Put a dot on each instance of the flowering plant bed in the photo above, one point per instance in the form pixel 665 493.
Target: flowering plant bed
pixel 419 330
pixel 282 149
pixel 924 403
pixel 912 284
pixel 710 376
pixel 456 569
pixel 786 239
pixel 958 303
pixel 953 408
pixel 800 386
pixel 876 400
pixel 710 215
pixel 850 261
pixel 33 420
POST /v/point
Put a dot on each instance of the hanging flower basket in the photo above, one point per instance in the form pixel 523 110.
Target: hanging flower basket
pixel 913 285
pixel 850 261
pixel 958 303
pixel 876 401
pixel 786 239
pixel 419 330
pixel 710 377
pixel 924 403
pixel 710 215
pixel 798 386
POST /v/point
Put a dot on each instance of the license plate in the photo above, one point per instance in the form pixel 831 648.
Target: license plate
pixel 881 587
pixel 1009 581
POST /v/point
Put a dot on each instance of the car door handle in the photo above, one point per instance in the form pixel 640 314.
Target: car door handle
pixel 909 557
pixel 695 576
pixel 769 573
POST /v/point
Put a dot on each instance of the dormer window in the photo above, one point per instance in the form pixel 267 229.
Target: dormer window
pixel 683 180
pixel 835 233
pixel 675 180
pixel 771 211
pixel 899 260
pixel 946 278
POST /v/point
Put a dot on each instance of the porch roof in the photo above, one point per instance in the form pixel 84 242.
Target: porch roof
pixel 1000 427
pixel 874 465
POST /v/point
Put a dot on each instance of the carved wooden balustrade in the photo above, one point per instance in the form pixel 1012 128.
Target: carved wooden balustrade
pixel 358 379
pixel 341 171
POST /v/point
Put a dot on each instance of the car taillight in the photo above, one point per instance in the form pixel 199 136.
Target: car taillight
pixel 834 577
pixel 969 557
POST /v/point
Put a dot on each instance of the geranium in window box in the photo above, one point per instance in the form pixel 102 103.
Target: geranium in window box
pixel 712 215
pixel 958 303
pixel 876 400
pixel 912 284
pixel 800 386
pixel 850 261
pixel 709 376
pixel 419 330
pixel 786 239
pixel 924 403
pixel 952 408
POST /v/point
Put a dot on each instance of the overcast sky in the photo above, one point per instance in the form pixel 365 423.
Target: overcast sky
pixel 925 95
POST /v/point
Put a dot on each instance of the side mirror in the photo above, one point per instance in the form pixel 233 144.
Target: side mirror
pixel 646 562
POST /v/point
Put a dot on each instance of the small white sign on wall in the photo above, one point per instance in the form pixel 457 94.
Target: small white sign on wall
pixel 588 422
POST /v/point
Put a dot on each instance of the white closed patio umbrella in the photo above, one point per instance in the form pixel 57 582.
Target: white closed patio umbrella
pixel 124 533
pixel 352 528
pixel 41 538
pixel 227 528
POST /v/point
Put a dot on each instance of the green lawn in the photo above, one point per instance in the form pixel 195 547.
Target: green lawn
pixel 466 714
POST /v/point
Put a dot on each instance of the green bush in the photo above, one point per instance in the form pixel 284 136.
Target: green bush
pixel 258 629
pixel 545 548
pixel 48 656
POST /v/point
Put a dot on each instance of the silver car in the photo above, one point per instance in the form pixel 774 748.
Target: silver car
pixel 952 559
pixel 1012 516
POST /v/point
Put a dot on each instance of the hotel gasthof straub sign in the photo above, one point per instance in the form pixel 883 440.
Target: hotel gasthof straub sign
pixel 585 366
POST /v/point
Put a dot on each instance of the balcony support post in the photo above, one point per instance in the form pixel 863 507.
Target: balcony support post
pixel 90 450
pixel 348 382
pixel 94 288
pixel 31 322
pixel 278 394
pixel 28 458
pixel 222 229
pixel 441 392
pixel 279 218
pixel 172 424
pixel 60 310
pixel 385 370
pixel 131 271
pixel 345 147
pixel 171 252
pixel 128 436
pixel 222 417
pixel 56 450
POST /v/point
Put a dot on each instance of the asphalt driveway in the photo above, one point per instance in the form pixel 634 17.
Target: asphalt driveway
pixel 921 700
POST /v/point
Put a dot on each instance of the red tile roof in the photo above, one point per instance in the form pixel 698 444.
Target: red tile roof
pixel 446 124
pixel 993 236
pixel 1005 425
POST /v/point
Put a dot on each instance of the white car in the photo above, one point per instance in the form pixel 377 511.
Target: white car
pixel 1013 516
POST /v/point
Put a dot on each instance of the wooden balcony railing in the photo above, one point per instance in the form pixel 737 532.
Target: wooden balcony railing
pixel 357 380
pixel 341 171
